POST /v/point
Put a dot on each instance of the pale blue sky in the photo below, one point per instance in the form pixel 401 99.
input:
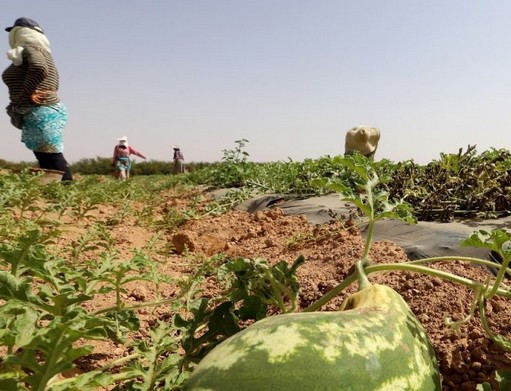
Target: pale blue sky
pixel 291 76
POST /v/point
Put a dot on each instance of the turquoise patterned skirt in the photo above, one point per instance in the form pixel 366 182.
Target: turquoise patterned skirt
pixel 123 164
pixel 43 128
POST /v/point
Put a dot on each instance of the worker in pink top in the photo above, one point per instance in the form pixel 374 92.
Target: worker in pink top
pixel 121 160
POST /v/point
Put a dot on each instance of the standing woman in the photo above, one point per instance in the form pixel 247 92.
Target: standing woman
pixel 121 159
pixel 33 82
pixel 179 161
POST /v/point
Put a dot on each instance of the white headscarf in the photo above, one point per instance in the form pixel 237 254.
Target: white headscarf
pixel 123 141
pixel 19 37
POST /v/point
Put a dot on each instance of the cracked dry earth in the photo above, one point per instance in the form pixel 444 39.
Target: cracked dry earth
pixel 466 358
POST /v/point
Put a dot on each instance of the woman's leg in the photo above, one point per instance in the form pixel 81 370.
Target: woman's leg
pixel 179 166
pixel 123 167
pixel 54 161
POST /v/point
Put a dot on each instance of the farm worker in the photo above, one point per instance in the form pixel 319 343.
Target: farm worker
pixel 179 160
pixel 121 159
pixel 34 106
pixel 362 139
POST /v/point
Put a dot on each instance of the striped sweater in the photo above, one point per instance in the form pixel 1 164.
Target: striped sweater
pixel 37 72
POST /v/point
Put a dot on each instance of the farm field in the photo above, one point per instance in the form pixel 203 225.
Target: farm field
pixel 466 357
pixel 128 274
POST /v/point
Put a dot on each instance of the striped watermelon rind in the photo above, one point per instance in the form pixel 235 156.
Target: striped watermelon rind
pixel 378 344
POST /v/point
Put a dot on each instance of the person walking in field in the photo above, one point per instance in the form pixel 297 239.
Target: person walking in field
pixel 179 161
pixel 121 159
pixel 34 106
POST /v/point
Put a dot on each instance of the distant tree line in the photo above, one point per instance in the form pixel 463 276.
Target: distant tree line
pixel 103 166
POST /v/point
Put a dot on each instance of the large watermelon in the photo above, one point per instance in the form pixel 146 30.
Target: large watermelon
pixel 373 343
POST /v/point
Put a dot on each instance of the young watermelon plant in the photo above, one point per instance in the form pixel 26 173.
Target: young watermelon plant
pixel 373 342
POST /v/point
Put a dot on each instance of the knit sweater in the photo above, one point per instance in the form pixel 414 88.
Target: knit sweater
pixel 37 72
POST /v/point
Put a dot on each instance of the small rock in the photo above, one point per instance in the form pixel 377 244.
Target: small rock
pixel 478 354
pixel 185 240
pixel 139 293
pixel 269 242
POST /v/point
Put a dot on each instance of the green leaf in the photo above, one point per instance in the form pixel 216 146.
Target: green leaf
pixel 89 381
pixel 504 342
pixel 52 351
pixel 125 319
pixel 151 371
pixel 66 300
pixel 252 308
pixel 223 321
pixel 18 323
pixel 504 379
pixel 11 384
pixel 484 387
pixel 20 289
pixel 493 240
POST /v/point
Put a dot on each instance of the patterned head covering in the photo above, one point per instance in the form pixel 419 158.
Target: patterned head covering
pixel 25 32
